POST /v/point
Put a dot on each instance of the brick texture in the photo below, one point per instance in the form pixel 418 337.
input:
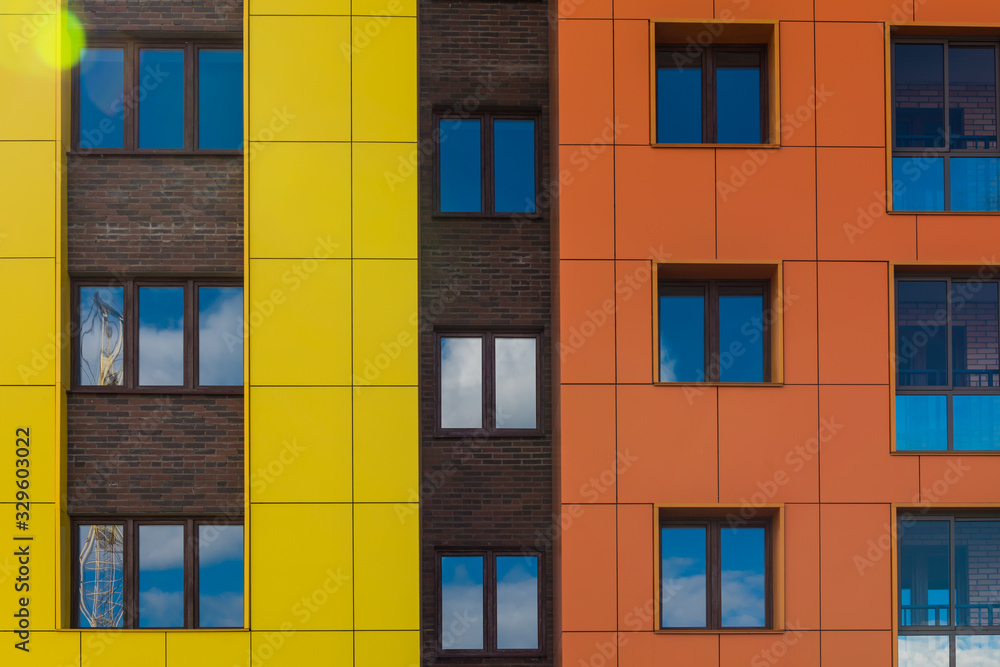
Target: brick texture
pixel 160 15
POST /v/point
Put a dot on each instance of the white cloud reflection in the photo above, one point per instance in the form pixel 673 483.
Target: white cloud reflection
pixel 516 382
pixel 161 547
pixel 159 609
pixel 220 340
pixel 461 382
pixel 161 356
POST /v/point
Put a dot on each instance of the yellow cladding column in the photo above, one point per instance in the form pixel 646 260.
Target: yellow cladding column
pixel 331 228
pixel 33 142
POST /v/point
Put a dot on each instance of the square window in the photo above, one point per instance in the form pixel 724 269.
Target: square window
pixel 487 164
pixel 488 383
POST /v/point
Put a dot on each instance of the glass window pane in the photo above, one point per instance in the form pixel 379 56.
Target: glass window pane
pixel 220 576
pixel 161 336
pixel 102 81
pixel 918 91
pixel 460 163
pixel 462 602
pixel 517 383
pixel 921 422
pixel 220 98
pixel 743 578
pixel 161 576
pixel 220 336
pixel 102 339
pixel 921 333
pixel 517 602
pixel 682 572
pixel 977 564
pixel 929 651
pixel 737 84
pixel 924 572
pixel 161 98
pixel 918 184
pixel 101 576
pixel 682 334
pixel 977 651
pixel 972 97
pixel 976 422
pixel 741 335
pixel 514 166
pixel 974 184
pixel 678 98
pixel 461 382
pixel 975 334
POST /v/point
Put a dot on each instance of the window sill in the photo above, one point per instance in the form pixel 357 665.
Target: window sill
pixel 116 152
pixel 722 631
pixel 944 452
pixel 959 213
pixel 719 384
pixel 489 216
pixel 215 391
pixel 487 435
pixel 740 146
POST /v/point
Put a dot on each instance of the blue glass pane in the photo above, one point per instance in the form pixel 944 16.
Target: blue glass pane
pixel 220 98
pixel 102 336
pixel 220 576
pixel 975 336
pixel 161 98
pixel 924 572
pixel 921 422
pixel 972 97
pixel 460 157
pixel 976 421
pixel 514 166
pixel 682 577
pixel 741 338
pixel 462 602
pixel 921 333
pixel 517 602
pixel 220 336
pixel 737 83
pixel 918 184
pixel 743 578
pixel 974 184
pixel 161 336
pixel 101 564
pixel 977 588
pixel 918 90
pixel 678 100
pixel 977 651
pixel 924 651
pixel 682 338
pixel 102 80
pixel 161 576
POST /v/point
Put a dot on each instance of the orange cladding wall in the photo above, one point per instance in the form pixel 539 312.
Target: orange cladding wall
pixel 817 206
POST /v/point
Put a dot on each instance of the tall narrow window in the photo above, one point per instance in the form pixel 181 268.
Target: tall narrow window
pixel 161 98
pixel 220 576
pixel 101 98
pixel 161 576
pixel 220 98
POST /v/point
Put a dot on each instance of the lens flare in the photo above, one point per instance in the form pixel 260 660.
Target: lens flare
pixel 36 44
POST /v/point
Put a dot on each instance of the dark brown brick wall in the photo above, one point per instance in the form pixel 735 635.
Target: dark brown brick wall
pixel 485 273
pixel 160 15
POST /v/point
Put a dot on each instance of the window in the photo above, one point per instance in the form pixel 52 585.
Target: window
pixel 490 603
pixel 714 574
pixel 186 334
pixel 714 331
pixel 488 382
pixel 487 164
pixel 173 573
pixel 159 96
pixel 949 595
pixel 944 113
pixel 947 356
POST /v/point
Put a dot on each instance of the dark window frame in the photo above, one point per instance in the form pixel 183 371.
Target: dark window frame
pixel 709 108
pixel 487 166
pixel 130 330
pixel 944 151
pixel 711 289
pixel 489 557
pixel 130 562
pixel 949 389
pixel 489 428
pixel 131 90
pixel 713 577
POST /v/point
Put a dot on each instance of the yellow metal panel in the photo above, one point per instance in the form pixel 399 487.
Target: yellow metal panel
pixel 31 574
pixel 28 6
pixel 302 649
pixel 208 649
pixel 46 649
pixel 387 649
pixel 385 322
pixel 27 199
pixel 124 649
pixel 314 7
pixel 385 80
pixel 301 567
pixel 382 8
pixel 300 322
pixel 28 75
pixel 32 408
pixel 387 570
pixel 385 200
pixel 301 444
pixel 28 341
pixel 385 444
pixel 300 80
pixel 300 202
